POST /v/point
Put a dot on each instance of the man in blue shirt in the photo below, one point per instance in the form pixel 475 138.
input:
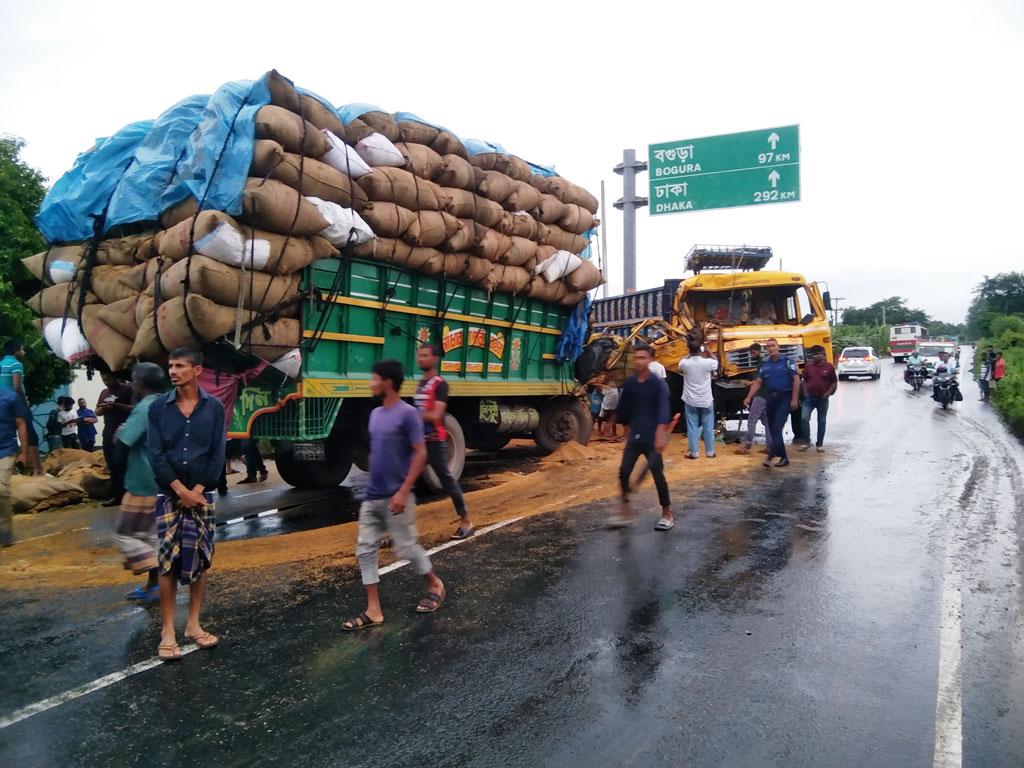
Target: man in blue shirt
pixel 644 406
pixel 185 443
pixel 398 455
pixel 14 416
pixel 86 426
pixel 780 381
pixel 12 377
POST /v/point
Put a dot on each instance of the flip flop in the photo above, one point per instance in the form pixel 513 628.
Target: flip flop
pixel 362 621
pixel 463 532
pixel 430 602
pixel 205 640
pixel 168 652
pixel 664 524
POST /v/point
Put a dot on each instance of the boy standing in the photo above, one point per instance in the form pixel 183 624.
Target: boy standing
pixel 397 458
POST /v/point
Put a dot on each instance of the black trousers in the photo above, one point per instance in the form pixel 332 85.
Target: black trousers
pixel 437 459
pixel 633 451
pixel 116 455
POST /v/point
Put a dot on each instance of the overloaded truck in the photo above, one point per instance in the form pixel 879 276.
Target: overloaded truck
pixel 729 302
pixel 298 243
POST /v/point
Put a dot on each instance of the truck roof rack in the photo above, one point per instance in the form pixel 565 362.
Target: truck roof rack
pixel 728 257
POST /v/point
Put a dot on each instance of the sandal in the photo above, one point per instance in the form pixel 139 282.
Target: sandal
pixel 430 602
pixel 168 652
pixel 362 621
pixel 205 640
pixel 463 532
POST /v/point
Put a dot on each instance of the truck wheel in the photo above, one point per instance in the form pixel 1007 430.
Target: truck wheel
pixel 491 443
pixel 561 421
pixel 456 454
pixel 313 474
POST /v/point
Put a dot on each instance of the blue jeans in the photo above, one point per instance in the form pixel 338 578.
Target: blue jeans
pixel 700 421
pixel 812 403
pixel 778 413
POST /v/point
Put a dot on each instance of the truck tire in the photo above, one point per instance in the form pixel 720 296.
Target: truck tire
pixel 456 454
pixel 312 474
pixel 562 421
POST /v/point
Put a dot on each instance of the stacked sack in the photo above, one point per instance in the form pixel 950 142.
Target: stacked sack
pixel 386 187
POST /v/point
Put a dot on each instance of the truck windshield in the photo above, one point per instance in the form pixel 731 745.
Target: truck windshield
pixel 933 351
pixel 782 305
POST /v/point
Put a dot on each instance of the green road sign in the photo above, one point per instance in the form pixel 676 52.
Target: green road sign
pixel 751 168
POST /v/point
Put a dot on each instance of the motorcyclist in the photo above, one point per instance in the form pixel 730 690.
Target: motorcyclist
pixel 912 359
pixel 946 365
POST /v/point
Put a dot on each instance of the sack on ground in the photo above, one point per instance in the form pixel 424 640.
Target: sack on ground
pixel 38 494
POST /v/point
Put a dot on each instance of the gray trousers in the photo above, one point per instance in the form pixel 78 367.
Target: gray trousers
pixel 757 413
pixel 6 508
pixel 374 520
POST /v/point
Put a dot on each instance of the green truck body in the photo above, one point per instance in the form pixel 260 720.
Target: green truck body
pixel 505 379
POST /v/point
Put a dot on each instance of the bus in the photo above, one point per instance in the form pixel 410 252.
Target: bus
pixel 903 339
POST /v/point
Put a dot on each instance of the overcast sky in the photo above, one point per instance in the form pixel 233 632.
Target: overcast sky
pixel 911 113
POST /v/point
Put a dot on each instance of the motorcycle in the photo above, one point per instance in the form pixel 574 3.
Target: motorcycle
pixel 945 387
pixel 915 375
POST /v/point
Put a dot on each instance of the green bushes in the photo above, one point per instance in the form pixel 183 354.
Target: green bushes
pixel 1008 338
pixel 876 336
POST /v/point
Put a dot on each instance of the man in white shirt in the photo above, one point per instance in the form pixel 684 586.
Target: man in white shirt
pixel 698 400
pixel 68 424
pixel 658 370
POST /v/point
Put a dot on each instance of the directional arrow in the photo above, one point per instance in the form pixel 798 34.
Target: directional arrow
pixel 774 177
pixel 773 139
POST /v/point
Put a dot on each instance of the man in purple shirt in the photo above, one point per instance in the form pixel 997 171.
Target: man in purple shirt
pixel 397 458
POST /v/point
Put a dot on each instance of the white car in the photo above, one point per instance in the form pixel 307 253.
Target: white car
pixel 858 361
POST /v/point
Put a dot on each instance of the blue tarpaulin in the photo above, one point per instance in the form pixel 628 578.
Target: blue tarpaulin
pixel 350 112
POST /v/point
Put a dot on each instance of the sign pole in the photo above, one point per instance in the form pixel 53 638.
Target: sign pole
pixel 628 204
pixel 605 267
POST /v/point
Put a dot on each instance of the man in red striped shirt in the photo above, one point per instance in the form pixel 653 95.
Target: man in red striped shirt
pixel 432 401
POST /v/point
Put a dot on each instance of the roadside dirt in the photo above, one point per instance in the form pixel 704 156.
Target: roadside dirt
pixel 572 476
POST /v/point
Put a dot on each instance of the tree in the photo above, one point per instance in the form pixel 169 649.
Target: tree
pixel 995 296
pixel 21 191
pixel 890 311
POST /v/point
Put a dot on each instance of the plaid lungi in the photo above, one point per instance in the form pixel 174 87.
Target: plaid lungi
pixel 136 532
pixel 186 538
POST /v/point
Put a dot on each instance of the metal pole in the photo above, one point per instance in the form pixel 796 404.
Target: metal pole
pixel 628 204
pixel 605 265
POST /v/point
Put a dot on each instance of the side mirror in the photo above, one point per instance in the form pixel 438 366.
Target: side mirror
pixel 827 298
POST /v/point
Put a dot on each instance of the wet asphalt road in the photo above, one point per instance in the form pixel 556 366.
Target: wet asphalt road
pixel 862 609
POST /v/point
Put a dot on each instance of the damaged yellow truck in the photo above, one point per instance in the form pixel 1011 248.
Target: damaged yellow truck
pixel 729 303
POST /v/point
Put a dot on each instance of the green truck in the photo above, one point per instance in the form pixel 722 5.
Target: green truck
pixel 505 379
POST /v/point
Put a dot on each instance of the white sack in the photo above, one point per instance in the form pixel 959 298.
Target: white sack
pixel 342 222
pixel 341 157
pixel 226 245
pixel 376 150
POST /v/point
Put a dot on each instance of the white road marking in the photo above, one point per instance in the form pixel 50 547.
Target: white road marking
pixel 115 677
pixel 49 535
pixel 949 703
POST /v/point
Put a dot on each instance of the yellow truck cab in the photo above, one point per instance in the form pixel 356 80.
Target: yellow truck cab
pixel 735 302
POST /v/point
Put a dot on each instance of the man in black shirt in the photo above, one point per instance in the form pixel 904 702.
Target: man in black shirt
pixel 644 406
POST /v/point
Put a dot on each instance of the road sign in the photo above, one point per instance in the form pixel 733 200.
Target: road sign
pixel 750 168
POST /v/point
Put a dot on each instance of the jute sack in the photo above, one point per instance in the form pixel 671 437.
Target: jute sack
pixel 563 241
pixel 141 276
pixel 121 316
pixel 451 265
pixel 269 204
pixel 356 131
pixel 456 172
pixel 179 212
pixel 421 159
pixel 111 346
pixel 490 243
pixel 489 161
pixel 126 251
pixel 106 284
pixel 56 461
pixel 38 494
pixel 384 249
pixel 143 309
pixel 577 219
pixel 269 341
pixel 39 264
pixel 550 209
pixel 282 91
pixel 542 290
pixel 382 123
pixel 447 143
pixel 283 255
pixel 463 239
pixel 507 279
pixel 477 270
pixel 290 131
pixel 521 252
pixel 319 115
pixel 496 186
pixel 419 258
pixel 226 285
pixel 467 205
pixel 410 131
pixel 430 228
pixel 308 176
pixel 519 224
pixel 518 169
pixel 584 278
pixel 565 191
pixel 523 198
pixel 92 479
pixel 52 301
pixel 396 185
pixel 388 219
